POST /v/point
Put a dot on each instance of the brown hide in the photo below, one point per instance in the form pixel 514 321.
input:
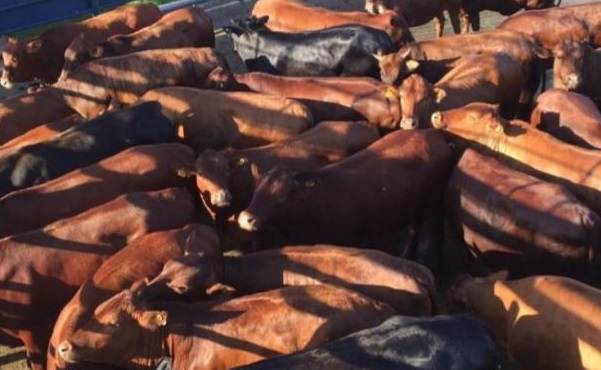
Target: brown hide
pixel 90 88
pixel 295 16
pixel 406 286
pixel 41 133
pixel 418 12
pixel 118 272
pixel 548 26
pixel 393 182
pixel 220 336
pixel 526 148
pixel 42 56
pixel 43 268
pixel 211 119
pixel 19 114
pixel 545 322
pixel 332 98
pixel 568 116
pixel 234 173
pixel 512 221
pixel 519 46
pixel 141 168
pixel 186 27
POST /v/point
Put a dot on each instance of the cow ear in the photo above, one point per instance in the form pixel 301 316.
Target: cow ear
pixel 262 20
pixel 439 94
pixel 411 65
pixel 96 51
pixel 34 45
pixel 10 40
pixel 405 54
pixel 379 56
pixel 153 320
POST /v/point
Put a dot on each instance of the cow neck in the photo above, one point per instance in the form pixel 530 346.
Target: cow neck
pixel 155 347
pixel 394 106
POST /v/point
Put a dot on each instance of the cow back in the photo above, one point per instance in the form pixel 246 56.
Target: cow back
pixel 83 145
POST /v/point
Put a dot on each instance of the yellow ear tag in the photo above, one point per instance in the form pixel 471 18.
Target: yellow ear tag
pixel 390 92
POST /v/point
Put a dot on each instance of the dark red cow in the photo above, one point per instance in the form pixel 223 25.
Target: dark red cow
pixel 396 181
pixel 42 57
pixel 133 332
pixel 470 9
pixel 406 286
pixel 119 271
pixel 180 28
pixel 502 219
pixel 42 269
pixel 568 116
pixel 331 98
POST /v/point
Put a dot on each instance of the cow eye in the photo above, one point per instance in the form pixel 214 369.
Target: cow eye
pixel 14 59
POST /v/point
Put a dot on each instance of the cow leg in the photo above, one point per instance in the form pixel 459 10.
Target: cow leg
pixel 429 241
pixel 454 15
pixel 36 356
pixel 465 21
pixel 439 24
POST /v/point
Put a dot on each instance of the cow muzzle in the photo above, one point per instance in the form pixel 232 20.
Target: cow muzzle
pixel 65 351
pixel 573 81
pixel 5 80
pixel 248 222
pixel 409 123
pixel 436 120
pixel 221 198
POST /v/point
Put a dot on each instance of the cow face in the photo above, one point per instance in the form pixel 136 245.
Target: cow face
pixel 476 121
pixel 395 67
pixel 398 27
pixel 418 99
pixel 119 333
pixel 569 64
pixel 213 176
pixel 78 53
pixel 187 276
pixel 18 58
pixel 279 193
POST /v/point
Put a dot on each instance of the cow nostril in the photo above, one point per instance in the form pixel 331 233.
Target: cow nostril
pixel 247 221
pixel 436 119
pixel 64 347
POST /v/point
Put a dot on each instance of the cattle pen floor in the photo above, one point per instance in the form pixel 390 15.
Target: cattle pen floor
pixel 221 12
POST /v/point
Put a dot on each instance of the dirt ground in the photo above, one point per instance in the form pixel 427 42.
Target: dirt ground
pixel 221 12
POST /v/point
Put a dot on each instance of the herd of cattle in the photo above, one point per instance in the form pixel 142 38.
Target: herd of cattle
pixel 358 200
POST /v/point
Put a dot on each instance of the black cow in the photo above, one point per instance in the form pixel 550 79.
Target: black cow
pixel 457 342
pixel 337 51
pixel 84 144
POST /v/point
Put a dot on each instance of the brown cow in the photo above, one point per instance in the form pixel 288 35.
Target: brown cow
pixel 141 168
pixel 521 47
pixel 568 116
pixel 212 119
pixel 512 221
pixel 227 180
pixel 395 182
pixel 129 331
pixel 89 89
pixel 295 16
pixel 548 26
pixel 332 98
pixel 545 322
pixel 119 271
pixel 577 67
pixel 590 13
pixel 470 9
pixel 18 115
pixel 494 78
pixel 406 286
pixel 188 27
pixel 418 12
pixel 528 149
pixel 43 268
pixel 42 57
pixel 41 133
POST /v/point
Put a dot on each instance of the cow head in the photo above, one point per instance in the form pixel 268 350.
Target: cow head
pixel 475 122
pixel 78 53
pixel 214 172
pixel 20 59
pixel 121 332
pixel 280 192
pixel 188 276
pixel 397 27
pixel 394 67
pixel 458 298
pixel 568 65
pixel 418 99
